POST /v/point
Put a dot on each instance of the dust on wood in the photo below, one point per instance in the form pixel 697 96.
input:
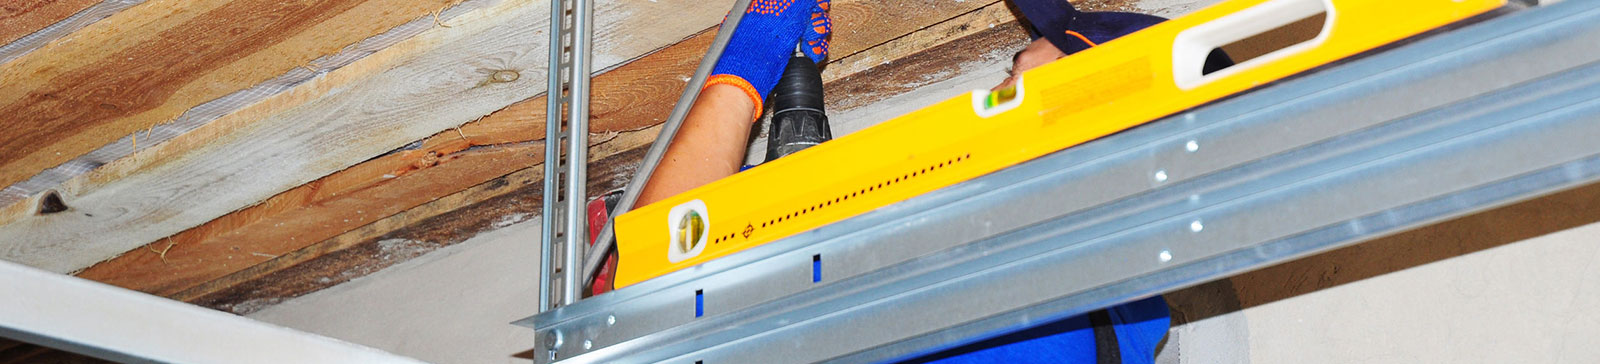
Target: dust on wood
pixel 418 87
pixel 1107 5
pixel 305 215
pixel 635 96
pixel 152 62
pixel 448 227
pixel 925 67
pixel 520 201
pixel 22 353
pixel 18 18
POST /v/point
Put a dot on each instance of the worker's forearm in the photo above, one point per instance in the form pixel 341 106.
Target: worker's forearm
pixel 709 146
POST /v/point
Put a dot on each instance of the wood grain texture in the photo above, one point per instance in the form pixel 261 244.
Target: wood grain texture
pixel 419 87
pixel 936 53
pixel 858 25
pixel 150 63
pixel 454 219
pixel 296 268
pixel 442 165
pixel 19 18
pixel 994 13
pixel 629 98
pixel 924 67
pixel 34 354
pixel 451 220
pixel 294 219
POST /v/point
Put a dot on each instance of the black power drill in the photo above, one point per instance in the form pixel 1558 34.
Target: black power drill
pixel 798 121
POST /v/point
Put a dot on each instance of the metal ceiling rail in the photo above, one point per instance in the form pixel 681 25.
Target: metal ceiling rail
pixel 1479 116
pixel 564 174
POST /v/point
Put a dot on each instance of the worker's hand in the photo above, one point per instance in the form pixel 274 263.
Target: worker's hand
pixel 767 34
pixel 1036 54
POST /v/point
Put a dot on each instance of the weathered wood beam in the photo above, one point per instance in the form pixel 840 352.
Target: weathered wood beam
pixel 487 59
pixel 952 44
pixel 149 63
pixel 19 18
pixel 7 344
pixel 446 163
pixel 632 97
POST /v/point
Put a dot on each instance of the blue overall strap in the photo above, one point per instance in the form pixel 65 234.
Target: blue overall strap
pixel 1133 333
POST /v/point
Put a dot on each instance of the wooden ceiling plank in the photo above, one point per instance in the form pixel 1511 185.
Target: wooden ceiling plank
pixel 449 220
pixel 293 220
pixel 7 344
pixel 392 183
pixel 454 219
pixel 429 83
pixel 633 96
pixel 330 270
pixel 148 64
pixel 18 18
pixel 386 185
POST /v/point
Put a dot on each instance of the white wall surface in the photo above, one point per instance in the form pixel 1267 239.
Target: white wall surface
pixel 453 305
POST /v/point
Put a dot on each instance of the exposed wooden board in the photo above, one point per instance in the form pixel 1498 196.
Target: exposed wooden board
pixel 927 67
pixel 392 183
pixel 19 18
pixel 10 348
pixel 1282 37
pixel 14 352
pixel 852 61
pixel 858 25
pixel 303 270
pixel 941 48
pixel 417 88
pixel 150 63
pixel 238 297
pixel 22 354
pixel 385 185
pixel 454 219
pixel 995 21
pixel 208 111
pixel 33 354
pixel 634 96
pixel 65 26
pixel 504 201
pixel 240 240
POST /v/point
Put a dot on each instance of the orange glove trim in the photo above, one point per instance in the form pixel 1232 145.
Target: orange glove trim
pixel 739 82
pixel 1081 37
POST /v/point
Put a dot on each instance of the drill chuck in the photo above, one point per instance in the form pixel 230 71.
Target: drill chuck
pixel 798 121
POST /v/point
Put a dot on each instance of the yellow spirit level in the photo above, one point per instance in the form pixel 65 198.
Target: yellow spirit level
pixel 1118 85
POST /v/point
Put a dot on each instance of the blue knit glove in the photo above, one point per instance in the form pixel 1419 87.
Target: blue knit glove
pixel 767 34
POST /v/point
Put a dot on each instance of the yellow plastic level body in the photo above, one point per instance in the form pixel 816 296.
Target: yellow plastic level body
pixel 1115 86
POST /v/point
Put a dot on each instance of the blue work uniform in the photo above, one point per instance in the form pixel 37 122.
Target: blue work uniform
pixel 1127 333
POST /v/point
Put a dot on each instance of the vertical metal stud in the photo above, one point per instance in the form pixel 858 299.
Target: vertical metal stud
pixel 552 158
pixel 565 159
pixel 577 149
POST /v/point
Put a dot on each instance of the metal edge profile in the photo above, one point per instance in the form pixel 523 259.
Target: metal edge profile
pixel 126 326
pixel 554 96
pixel 641 318
pixel 1348 232
pixel 576 231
